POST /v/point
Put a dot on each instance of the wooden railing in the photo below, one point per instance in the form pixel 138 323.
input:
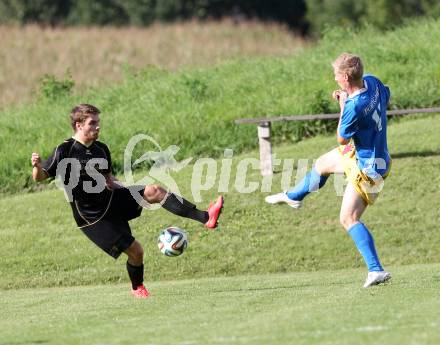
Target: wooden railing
pixel 264 129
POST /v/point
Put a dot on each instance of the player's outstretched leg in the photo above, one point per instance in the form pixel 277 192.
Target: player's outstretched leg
pixel 329 163
pixel 182 207
pixel 310 183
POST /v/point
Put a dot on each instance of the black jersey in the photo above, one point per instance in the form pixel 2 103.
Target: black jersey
pixel 82 170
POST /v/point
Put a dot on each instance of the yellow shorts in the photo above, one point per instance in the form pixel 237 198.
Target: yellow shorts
pixel 367 187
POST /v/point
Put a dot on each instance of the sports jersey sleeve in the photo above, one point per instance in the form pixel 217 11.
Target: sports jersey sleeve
pixel 51 163
pixel 109 160
pixel 349 121
pixel 388 93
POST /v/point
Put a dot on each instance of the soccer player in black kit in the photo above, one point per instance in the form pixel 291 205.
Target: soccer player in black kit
pixel 101 205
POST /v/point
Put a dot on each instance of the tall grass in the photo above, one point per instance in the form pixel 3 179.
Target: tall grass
pixel 97 56
pixel 195 107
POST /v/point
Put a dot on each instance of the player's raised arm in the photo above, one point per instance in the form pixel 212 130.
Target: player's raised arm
pixel 112 182
pixel 38 174
pixel 340 96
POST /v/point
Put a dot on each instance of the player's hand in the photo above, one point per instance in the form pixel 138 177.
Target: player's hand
pixel 35 160
pixel 339 94
pixel 343 95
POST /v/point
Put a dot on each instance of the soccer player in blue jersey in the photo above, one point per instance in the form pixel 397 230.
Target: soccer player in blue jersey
pixel 362 155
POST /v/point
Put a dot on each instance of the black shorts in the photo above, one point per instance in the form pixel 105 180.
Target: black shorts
pixel 112 232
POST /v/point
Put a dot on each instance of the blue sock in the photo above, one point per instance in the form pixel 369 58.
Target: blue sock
pixel 310 183
pixel 365 244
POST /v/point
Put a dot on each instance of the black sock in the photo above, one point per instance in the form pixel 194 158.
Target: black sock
pixel 184 209
pixel 136 274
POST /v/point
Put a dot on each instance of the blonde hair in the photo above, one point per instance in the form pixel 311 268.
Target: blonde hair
pixel 349 64
pixel 81 112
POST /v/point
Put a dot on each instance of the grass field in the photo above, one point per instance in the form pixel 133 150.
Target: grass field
pixel 326 307
pixel 41 247
pixel 269 274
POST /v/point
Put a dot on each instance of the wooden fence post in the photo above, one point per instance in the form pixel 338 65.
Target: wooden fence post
pixel 266 166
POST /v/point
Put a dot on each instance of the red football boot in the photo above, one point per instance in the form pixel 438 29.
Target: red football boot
pixel 214 211
pixel 140 292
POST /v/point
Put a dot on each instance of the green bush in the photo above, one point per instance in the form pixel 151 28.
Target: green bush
pixel 52 88
pixel 97 12
pixel 382 14
pixel 144 12
pixel 35 11
pixel 311 16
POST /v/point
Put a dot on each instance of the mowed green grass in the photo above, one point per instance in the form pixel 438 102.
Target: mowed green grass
pixel 41 246
pixel 268 275
pixel 326 307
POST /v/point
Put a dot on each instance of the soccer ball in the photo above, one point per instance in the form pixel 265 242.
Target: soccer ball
pixel 172 241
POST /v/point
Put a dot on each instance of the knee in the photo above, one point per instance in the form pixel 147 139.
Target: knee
pixel 347 220
pixel 320 166
pixel 136 254
pixel 154 193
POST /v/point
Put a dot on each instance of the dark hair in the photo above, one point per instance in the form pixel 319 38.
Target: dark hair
pixel 81 112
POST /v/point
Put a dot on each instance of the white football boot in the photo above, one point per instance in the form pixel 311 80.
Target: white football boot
pixel 282 197
pixel 376 278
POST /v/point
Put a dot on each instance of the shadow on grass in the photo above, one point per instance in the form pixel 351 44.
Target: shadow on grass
pixel 262 288
pixel 25 342
pixel 415 154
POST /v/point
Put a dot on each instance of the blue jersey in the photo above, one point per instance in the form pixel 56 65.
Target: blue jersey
pixel 364 120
